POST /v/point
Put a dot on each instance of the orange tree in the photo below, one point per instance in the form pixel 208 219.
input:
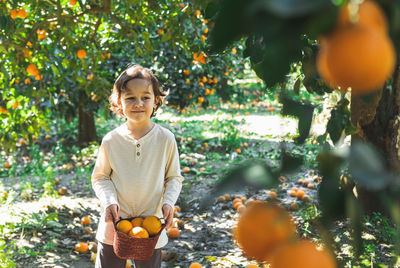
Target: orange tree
pixel 357 43
pixel 60 59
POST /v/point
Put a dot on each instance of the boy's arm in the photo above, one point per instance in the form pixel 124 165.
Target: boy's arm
pixel 173 177
pixel 101 180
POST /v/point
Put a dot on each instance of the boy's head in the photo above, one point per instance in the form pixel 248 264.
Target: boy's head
pixel 134 72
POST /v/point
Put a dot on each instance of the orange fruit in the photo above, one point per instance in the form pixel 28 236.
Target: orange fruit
pixel 195 265
pixel 294 206
pixel 3 110
pixel 82 247
pixel 21 13
pixel 300 194
pixel 306 198
pixel 236 205
pixel 292 193
pixel 124 226
pixel 160 31
pixel 200 57
pixel 7 165
pixel 27 81
pixel 47 137
pixel 261 228
pixel 152 224
pixel 32 69
pixel 85 220
pixel 238 150
pixel 302 254
pixel 72 2
pixel 138 232
pixel 173 232
pixel 88 230
pixel 360 58
pixel 186 170
pixel 203 38
pixel 137 222
pixel 15 105
pixel 81 53
pixel 186 72
pixel 240 208
pixel 322 63
pixel 317 179
pixel 237 200
pixel 234 50
pixel 369 15
pixel 41 34
pixel 63 191
pixel 177 209
pixel 13 13
pixel 273 194
pixel 200 99
pixel 27 52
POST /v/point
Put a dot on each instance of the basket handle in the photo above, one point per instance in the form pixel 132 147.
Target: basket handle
pixel 114 221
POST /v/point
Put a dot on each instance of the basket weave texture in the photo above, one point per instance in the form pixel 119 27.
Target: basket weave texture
pixel 134 248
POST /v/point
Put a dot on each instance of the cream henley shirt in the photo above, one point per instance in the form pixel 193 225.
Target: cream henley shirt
pixel 140 176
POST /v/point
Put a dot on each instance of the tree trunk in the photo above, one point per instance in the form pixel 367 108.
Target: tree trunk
pixel 377 119
pixel 86 125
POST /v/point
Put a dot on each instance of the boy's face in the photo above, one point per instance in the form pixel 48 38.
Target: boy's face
pixel 138 100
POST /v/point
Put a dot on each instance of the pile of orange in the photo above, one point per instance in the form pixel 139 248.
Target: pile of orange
pixel 140 227
pixel 358 53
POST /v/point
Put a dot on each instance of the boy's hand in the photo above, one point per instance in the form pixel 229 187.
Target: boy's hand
pixel 111 210
pixel 168 213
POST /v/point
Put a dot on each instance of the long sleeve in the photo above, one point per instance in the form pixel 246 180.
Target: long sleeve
pixel 101 181
pixel 173 177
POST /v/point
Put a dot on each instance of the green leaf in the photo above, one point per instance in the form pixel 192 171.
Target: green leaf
pixel 231 23
pixel 290 162
pixel 331 200
pixel 367 167
pixel 335 125
pixel 258 176
pixel 289 8
pixel 304 113
pixel 211 10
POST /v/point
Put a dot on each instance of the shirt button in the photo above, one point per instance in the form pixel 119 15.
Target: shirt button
pixel 138 145
pixel 138 153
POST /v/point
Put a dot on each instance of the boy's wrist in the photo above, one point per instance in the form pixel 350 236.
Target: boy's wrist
pixel 168 203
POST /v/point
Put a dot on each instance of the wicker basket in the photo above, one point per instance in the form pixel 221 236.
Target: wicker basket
pixel 134 248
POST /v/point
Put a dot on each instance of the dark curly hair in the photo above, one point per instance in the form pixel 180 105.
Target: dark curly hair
pixel 134 72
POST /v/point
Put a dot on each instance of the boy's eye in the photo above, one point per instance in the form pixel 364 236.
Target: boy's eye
pixel 130 98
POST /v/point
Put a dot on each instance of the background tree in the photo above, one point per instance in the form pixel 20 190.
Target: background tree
pixel 63 56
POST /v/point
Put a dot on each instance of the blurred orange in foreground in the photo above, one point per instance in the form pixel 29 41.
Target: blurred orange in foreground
pixel 302 254
pixel 261 228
